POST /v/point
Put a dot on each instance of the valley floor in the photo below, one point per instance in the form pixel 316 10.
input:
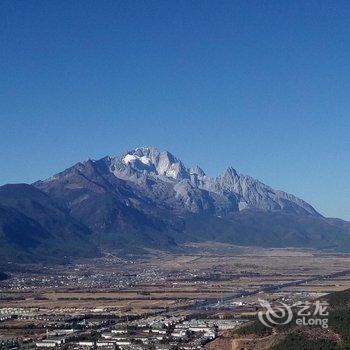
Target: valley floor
pixel 200 281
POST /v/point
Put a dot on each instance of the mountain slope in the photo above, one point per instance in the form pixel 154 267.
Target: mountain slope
pixel 268 229
pixel 32 224
pixel 108 206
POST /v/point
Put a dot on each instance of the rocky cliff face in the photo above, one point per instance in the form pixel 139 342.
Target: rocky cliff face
pixel 163 181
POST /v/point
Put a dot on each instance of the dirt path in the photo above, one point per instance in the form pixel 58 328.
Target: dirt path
pixel 235 344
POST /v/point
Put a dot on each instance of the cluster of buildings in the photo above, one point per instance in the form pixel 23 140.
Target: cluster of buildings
pixel 157 332
pixel 82 276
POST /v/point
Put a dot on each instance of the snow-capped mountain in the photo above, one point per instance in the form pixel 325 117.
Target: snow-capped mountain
pixel 149 198
pixel 165 180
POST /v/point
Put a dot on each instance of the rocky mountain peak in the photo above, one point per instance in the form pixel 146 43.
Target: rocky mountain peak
pixel 228 179
pixel 196 170
pixel 151 160
pixel 230 172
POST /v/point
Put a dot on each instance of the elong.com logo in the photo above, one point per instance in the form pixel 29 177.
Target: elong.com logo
pixel 302 313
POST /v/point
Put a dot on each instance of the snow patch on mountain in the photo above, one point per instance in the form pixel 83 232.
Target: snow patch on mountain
pixel 129 158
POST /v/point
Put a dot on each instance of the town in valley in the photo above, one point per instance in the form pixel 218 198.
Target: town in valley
pixel 189 299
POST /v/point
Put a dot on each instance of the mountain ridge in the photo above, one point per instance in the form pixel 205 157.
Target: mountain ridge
pixel 149 198
pixel 146 164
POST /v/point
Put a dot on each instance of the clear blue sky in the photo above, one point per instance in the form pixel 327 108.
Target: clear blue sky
pixel 263 86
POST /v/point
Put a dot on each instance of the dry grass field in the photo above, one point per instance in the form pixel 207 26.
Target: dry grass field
pixel 164 280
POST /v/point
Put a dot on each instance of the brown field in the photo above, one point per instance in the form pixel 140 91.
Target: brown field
pixel 208 271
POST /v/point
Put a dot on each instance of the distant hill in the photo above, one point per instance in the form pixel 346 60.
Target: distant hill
pixel 33 227
pixel 146 198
